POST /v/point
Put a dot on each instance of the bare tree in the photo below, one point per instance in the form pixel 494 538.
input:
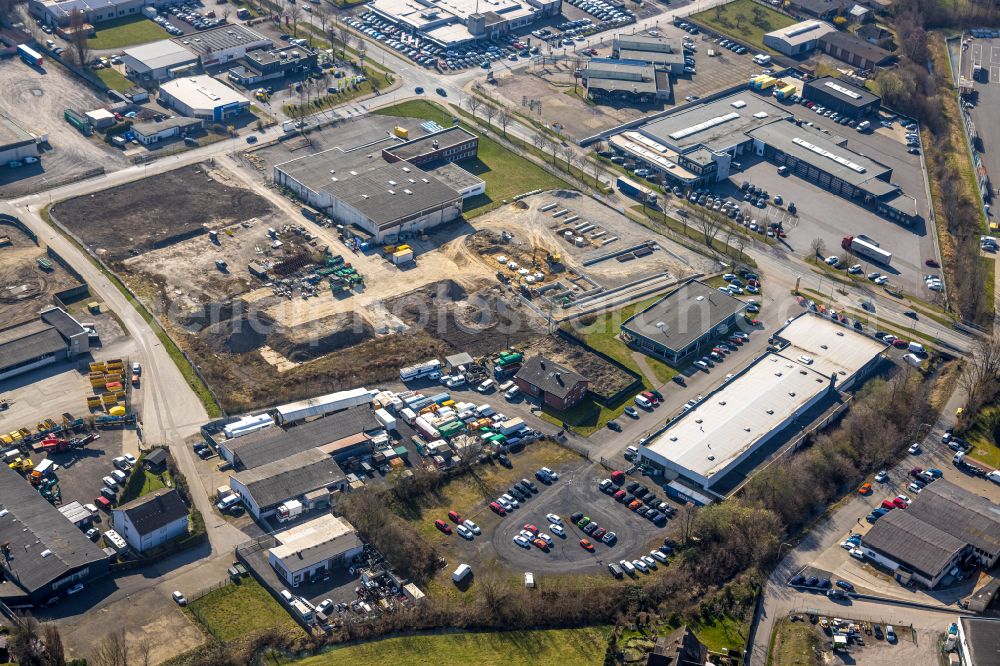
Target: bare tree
pixel 504 118
pixel 113 650
pixel 982 373
pixel 54 651
pixel 549 145
pixel 294 12
pixel 144 648
pixel 490 112
pixel 345 38
pixel 710 226
pixel 473 103
pixel 322 13
pixel 78 37
pixel 817 246
pixel 598 169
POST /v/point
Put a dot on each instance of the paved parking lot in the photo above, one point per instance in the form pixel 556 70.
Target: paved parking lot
pixel 986 52
pixel 576 492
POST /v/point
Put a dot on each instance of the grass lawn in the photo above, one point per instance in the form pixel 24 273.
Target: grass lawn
pixel 736 19
pixel 236 610
pixel 793 644
pixel 585 417
pixel 984 447
pixel 559 646
pixel 128 31
pixel 505 173
pixel 602 336
pixel 149 482
pixel 468 493
pixel 722 632
pixel 113 79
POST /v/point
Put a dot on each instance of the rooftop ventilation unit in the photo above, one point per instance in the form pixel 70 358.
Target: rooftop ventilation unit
pixel 842 90
pixel 700 127
pixel 843 161
pixel 738 104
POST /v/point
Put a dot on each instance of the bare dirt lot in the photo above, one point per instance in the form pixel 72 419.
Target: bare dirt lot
pixel 157 212
pixel 25 288
pixel 36 101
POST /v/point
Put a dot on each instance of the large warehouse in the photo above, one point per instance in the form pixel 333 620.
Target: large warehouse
pixel 54 336
pixel 634 81
pixel 665 52
pixel 158 61
pixel 761 404
pixel 700 143
pixel 371 187
pixel 310 550
pixel 943 527
pixel 685 321
pixel 842 97
pixel 42 553
pixel 798 39
pixel 223 44
pixel 456 22
pixel 203 97
pixel 263 488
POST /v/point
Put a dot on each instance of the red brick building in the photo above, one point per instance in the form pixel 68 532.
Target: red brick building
pixel 553 384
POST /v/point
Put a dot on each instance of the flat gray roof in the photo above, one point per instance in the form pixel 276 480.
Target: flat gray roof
pixel 837 87
pixel 655 57
pixel 152 127
pixel 391 192
pixel 646 43
pixel 12 134
pixel 812 147
pixel 968 517
pixel 684 315
pixel 982 634
pixel 446 138
pixel 800 33
pixel 290 477
pixel 224 37
pixel 455 176
pixel 316 170
pixel 718 125
pixel 905 538
pixel 165 53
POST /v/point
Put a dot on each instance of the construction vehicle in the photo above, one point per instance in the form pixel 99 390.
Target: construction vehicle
pixel 22 465
pixel 553 258
pixel 54 445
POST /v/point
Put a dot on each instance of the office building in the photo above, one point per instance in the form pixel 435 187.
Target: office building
pixel 158 61
pixel 798 39
pixel 456 22
pixel 841 96
pixel 553 384
pixel 263 488
pixel 203 97
pixel 634 81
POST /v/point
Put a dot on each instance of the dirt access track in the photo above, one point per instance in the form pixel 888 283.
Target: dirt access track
pixel 156 212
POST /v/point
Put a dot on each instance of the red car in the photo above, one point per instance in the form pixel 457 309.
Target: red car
pixel 454 517
pixel 900 504
pixel 620 495
pixel 443 526
pixel 618 477
pixel 900 344
pixel 497 509
pixel 599 532
pixel 652 398
pixel 540 544
pixel 915 472
pixel 754 322
pixel 932 263
pixel 531 528
pixel 736 341
pixel 719 350
pixel 888 504
pixel 103 503
pixel 586 545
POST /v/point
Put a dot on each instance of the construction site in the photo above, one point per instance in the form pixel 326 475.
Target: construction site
pixel 29 277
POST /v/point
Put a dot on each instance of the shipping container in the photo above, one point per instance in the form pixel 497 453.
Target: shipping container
pixel 636 191
pixel 386 419
pixel 30 55
pixel 322 405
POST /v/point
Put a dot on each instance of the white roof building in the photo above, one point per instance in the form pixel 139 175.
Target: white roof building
pixel 203 97
pixel 312 548
pixel 732 423
pixel 155 61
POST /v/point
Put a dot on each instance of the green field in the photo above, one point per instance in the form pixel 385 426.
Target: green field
pixel 236 610
pixel 113 79
pixel 143 482
pixel 794 644
pixel 123 32
pixel 505 173
pixel 579 647
pixel 737 20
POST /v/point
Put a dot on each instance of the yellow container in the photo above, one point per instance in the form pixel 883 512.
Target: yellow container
pixel 24 432
pixel 6 439
pixel 16 436
pixel 117 410
pixel 97 366
pixel 401 132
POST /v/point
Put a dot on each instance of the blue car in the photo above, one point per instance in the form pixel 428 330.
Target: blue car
pixel 844 585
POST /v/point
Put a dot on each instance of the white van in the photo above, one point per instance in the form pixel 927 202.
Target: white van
pixel 913 360
pixel 958 458
pixel 642 402
pixel 512 393
pixel 631 452
pixel 227 502
pixel 916 348
pixel 864 125
pixel 486 386
pixel 628 567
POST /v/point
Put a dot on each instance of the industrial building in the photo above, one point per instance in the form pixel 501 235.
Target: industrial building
pixel 152 520
pixel 726 432
pixel 58 12
pixel 263 488
pixel 701 143
pixel 553 384
pixel 53 337
pixel 452 144
pixel 457 22
pixel 16 143
pixel 203 97
pixel 798 39
pixel 224 44
pixel 664 52
pixel 635 81
pixel 358 188
pixel 683 322
pixel 978 642
pixel 42 553
pixel 842 97
pixel 311 550
pixel 943 527
pixel 267 64
pixel 158 61
pixel 822 9
pixel 854 51
pixel 149 133
pixel 272 444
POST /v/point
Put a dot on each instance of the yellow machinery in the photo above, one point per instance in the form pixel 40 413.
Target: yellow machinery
pixel 22 465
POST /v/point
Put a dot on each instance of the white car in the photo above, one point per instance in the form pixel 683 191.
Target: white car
pixel 904 498
pixel 650 562
pixel 286 595
pixel 557 530
pixel 522 542
pixel 914 449
pixel 857 553
pixel 510 500
pixel 881 279
pixel 464 532
pixel 179 598
pixel 640 565
pixel 913 488
pixel 552 475
pixel 832 260
pixel 855 269
pixel 507 506
pixel 545 537
pixel 658 556
pixel 472 527
pixel 847 545
pixel 527 535
pixel 76 588
pixel 554 519
pixel 882 476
